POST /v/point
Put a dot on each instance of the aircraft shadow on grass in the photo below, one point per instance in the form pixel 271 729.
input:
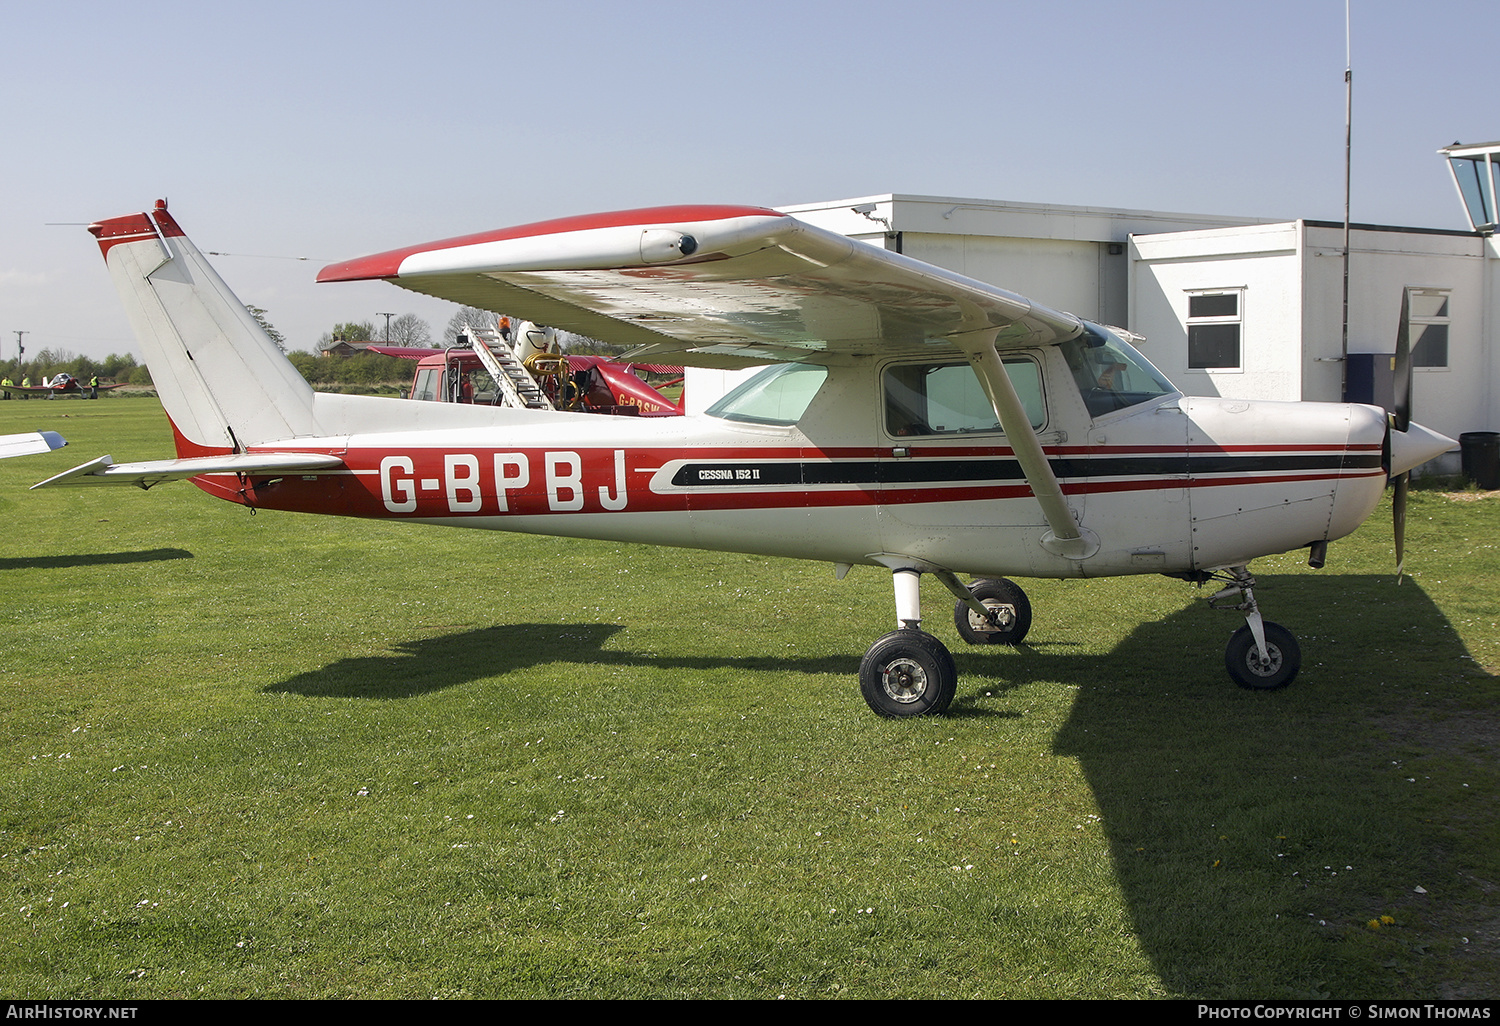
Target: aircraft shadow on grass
pixel 448 660
pixel 1225 836
pixel 91 559
pixel 1158 730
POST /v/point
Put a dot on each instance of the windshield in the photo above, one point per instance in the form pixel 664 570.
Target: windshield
pixel 777 395
pixel 1109 372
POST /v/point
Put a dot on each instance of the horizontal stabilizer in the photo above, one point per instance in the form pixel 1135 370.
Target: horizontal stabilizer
pixel 105 471
pixel 30 444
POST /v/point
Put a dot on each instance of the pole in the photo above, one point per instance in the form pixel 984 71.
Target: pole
pixel 1348 134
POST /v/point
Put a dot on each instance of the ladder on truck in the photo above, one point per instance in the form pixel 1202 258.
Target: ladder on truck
pixel 511 377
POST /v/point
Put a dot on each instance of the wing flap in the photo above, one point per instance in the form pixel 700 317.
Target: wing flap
pixel 105 471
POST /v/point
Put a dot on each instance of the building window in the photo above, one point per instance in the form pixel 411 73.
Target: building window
pixel 1213 328
pixel 1427 326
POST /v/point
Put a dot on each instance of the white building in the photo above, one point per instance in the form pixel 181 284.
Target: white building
pixel 1256 313
pixel 1067 258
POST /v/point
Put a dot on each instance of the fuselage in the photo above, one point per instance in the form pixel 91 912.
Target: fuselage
pixel 851 474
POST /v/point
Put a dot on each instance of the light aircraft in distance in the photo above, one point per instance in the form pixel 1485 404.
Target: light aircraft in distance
pixel 910 418
pixel 61 384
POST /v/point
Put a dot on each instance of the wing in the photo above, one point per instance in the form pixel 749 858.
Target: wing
pixel 713 286
pixel 30 444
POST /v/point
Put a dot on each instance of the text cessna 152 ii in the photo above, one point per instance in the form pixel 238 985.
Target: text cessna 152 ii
pixel 911 418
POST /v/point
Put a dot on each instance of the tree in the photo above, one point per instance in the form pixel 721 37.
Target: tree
pixel 468 317
pixel 265 325
pixel 410 330
pixel 570 342
pixel 306 364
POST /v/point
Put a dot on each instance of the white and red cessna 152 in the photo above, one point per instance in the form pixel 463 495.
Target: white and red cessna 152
pixel 911 418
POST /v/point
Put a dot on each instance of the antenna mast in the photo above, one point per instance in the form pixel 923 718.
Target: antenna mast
pixel 1348 122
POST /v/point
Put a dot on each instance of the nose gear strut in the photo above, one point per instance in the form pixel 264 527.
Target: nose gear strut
pixel 1261 655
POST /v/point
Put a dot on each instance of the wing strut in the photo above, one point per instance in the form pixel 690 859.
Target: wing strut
pixel 1066 538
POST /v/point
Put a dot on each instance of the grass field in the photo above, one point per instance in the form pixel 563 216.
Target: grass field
pixel 289 756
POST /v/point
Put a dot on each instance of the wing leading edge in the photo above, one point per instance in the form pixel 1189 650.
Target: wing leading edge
pixel 714 286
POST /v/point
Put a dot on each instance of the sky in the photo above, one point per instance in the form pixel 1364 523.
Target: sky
pixel 290 135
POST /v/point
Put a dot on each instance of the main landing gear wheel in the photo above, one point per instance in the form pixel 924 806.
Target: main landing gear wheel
pixel 907 673
pixel 1011 609
pixel 1283 658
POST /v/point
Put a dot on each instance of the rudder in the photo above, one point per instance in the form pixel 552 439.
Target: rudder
pixel 221 379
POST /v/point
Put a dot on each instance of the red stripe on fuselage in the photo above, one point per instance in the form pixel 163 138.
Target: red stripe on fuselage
pixel 432 483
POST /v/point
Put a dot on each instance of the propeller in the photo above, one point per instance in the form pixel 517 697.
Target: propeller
pixel 1400 420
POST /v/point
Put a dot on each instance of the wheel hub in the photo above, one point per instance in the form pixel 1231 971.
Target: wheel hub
pixel 904 681
pixel 1002 617
pixel 1264 665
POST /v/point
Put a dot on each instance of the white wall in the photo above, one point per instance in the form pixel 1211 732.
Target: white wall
pixel 1292 274
pixel 1056 255
pixel 1262 263
pixel 1451 399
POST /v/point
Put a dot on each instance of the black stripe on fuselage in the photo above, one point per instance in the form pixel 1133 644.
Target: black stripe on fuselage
pixel 914 470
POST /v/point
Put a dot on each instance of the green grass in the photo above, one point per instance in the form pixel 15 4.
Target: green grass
pixel 289 756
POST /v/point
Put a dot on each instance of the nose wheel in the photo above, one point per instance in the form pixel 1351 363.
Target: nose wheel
pixel 1263 670
pixel 1261 655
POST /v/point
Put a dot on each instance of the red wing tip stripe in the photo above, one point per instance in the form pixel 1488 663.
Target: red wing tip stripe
pixel 119 227
pixel 167 223
pixel 387 264
pixel 134 228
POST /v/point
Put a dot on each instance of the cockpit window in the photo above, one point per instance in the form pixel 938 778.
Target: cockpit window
pixel 1109 372
pixel 777 395
pixel 946 398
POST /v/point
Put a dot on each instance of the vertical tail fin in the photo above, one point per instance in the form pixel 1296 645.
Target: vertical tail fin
pixel 222 380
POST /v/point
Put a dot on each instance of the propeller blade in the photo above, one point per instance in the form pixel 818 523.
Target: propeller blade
pixel 1398 515
pixel 1402 384
pixel 1400 421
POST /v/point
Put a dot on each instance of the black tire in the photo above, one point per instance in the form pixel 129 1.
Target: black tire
pixel 995 593
pixel 908 673
pixel 1284 659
